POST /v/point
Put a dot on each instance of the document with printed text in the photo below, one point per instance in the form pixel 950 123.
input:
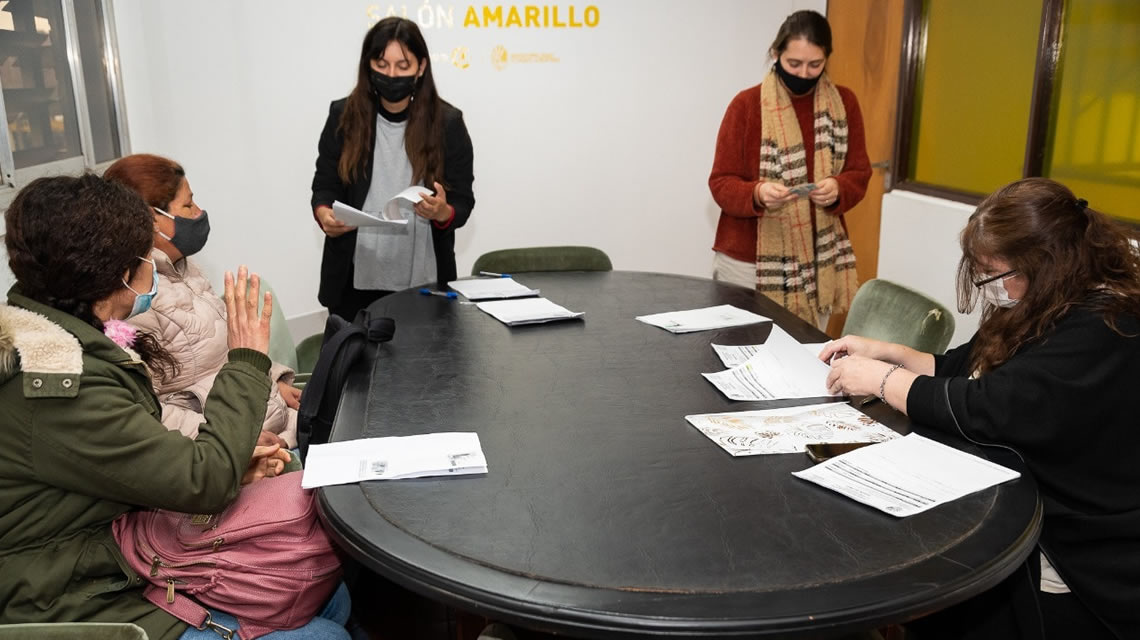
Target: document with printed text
pixel 357 218
pixel 907 475
pixel 783 368
pixel 393 458
pixel 527 311
pixel 491 288
pixel 733 355
pixel 719 317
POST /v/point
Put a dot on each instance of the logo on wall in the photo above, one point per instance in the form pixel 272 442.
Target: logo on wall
pixel 459 57
pixel 499 57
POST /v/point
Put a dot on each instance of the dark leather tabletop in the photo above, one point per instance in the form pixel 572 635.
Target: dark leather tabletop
pixel 603 513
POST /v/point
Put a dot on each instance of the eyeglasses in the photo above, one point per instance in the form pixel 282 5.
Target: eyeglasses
pixel 1001 276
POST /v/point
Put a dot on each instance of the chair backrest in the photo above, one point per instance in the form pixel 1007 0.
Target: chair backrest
pixel 567 258
pixel 887 311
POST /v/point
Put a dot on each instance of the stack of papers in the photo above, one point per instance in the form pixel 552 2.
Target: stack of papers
pixel 734 355
pixel 527 311
pixel 783 368
pixel 789 429
pixel 491 288
pixel 907 475
pixel 392 458
pixel 390 215
pixel 720 317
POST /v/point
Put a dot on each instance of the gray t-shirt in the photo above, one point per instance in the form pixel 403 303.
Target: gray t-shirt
pixel 392 258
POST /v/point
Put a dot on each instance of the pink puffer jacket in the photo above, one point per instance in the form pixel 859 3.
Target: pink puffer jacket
pixel 189 319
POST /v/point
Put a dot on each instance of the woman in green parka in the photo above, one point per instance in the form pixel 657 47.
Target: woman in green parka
pixel 81 441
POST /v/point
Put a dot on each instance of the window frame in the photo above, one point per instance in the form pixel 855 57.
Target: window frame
pixel 12 179
pixel 1049 43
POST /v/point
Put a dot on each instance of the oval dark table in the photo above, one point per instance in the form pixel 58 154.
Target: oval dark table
pixel 604 514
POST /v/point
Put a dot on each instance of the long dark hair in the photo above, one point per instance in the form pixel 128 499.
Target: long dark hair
pixel 423 139
pixel 1068 253
pixel 69 241
pixel 806 24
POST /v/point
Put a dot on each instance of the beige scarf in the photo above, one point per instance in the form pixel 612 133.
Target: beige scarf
pixel 808 274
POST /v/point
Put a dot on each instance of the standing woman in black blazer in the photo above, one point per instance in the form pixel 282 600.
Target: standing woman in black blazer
pixel 393 131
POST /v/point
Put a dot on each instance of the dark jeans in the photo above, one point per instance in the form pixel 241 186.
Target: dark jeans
pixel 1016 609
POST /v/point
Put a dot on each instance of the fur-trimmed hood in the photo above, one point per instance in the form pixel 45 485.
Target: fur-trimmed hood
pixel 32 343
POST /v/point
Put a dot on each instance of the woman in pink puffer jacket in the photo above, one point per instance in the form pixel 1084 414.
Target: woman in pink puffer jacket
pixel 186 315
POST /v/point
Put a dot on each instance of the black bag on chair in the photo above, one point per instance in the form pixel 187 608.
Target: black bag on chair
pixel 343 343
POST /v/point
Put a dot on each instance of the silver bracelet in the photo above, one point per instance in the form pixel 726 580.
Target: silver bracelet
pixel 883 384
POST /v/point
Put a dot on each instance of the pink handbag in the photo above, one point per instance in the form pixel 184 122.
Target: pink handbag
pixel 266 560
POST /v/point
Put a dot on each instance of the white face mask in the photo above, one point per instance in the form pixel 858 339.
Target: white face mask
pixel 995 294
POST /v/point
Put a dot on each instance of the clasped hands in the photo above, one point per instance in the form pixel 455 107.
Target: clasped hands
pixel 432 207
pixel 773 195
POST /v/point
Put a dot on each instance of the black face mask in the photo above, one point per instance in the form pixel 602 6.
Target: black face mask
pixel 392 89
pixel 797 85
pixel 189 233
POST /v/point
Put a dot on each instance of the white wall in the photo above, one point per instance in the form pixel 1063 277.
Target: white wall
pixel 918 248
pixel 610 146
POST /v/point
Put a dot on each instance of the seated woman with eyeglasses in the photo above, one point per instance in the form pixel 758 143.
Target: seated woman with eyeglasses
pixel 1051 373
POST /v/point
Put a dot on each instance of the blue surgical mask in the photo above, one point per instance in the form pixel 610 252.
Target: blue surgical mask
pixel 143 300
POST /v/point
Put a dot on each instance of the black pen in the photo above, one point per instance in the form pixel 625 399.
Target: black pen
pixel 871 399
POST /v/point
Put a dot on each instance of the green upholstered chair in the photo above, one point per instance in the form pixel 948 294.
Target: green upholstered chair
pixel 72 631
pixel 887 311
pixel 569 258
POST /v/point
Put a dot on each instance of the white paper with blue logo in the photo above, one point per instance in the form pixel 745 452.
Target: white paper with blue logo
pixel 907 475
pixel 394 458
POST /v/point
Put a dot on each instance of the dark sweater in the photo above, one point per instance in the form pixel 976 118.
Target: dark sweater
pixel 337 266
pixel 1065 404
pixel 736 167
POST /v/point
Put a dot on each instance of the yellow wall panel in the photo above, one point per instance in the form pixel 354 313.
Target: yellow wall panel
pixel 974 89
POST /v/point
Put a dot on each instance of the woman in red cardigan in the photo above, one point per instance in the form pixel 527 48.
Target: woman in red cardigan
pixel 790 160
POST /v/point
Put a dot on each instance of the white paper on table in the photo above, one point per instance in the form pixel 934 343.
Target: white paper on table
pixel 719 317
pixel 491 288
pixel 411 195
pixel 527 311
pixel 737 354
pixel 789 429
pixel 782 369
pixel 357 218
pixel 392 458
pixel 907 475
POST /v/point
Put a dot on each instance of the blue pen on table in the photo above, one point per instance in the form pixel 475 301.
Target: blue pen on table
pixel 442 294
pixel 492 274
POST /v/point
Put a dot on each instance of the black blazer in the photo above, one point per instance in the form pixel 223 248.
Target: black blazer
pixel 337 266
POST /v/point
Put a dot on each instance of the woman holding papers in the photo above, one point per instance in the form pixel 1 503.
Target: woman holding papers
pixel 393 131
pixel 187 315
pixel 781 228
pixel 1051 374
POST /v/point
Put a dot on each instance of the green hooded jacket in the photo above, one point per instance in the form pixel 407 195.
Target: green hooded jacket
pixel 81 442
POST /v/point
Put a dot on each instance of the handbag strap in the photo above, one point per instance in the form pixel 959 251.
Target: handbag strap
pixel 186 610
pixel 315 387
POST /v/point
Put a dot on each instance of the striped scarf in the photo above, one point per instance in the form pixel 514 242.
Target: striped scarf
pixel 809 276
